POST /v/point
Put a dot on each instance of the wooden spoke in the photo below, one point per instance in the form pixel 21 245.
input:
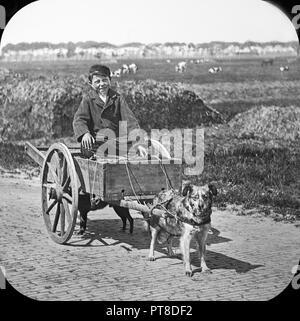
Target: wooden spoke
pixel 62 219
pixel 57 214
pixel 54 175
pixel 64 171
pixel 65 166
pixel 57 165
pixel 48 185
pixel 67 211
pixel 67 183
pixel 67 197
pixel 51 206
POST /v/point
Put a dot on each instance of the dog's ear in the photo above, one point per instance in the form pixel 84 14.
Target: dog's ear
pixel 213 190
pixel 187 190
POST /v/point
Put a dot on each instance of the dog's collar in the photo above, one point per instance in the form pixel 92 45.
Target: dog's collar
pixel 206 220
pixel 190 222
pixel 164 205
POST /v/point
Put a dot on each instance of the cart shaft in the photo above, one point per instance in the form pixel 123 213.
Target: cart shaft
pixel 34 153
pixel 134 205
pixel 39 154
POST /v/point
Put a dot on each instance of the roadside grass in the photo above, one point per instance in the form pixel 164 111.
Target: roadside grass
pixel 255 177
pixel 13 156
pixel 250 176
pixel 229 109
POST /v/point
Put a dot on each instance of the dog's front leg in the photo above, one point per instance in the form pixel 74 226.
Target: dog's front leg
pixel 185 242
pixel 154 233
pixel 201 240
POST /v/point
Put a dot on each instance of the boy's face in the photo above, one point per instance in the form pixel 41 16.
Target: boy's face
pixel 101 84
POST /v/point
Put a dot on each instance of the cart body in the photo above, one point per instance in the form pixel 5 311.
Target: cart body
pixel 127 182
pixel 112 179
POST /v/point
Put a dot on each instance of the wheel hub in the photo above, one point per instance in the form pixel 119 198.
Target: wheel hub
pixel 56 193
pixel 59 193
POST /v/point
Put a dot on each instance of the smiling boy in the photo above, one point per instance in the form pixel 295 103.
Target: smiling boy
pixel 101 108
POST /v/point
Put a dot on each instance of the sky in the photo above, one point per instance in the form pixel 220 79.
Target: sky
pixel 148 21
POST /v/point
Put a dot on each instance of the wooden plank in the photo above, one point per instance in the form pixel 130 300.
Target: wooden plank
pixel 34 153
pixel 136 160
pixel 139 179
pixel 113 182
pixel 142 197
pixel 75 151
pixel 90 176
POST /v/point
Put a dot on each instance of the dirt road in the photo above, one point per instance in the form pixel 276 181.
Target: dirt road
pixel 251 257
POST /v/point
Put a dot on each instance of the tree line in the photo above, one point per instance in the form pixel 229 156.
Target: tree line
pixel 70 46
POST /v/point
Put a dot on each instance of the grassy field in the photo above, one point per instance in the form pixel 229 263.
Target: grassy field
pixel 248 172
pixel 234 70
pixel 242 84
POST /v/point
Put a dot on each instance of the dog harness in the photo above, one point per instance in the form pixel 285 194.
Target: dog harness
pixel 206 219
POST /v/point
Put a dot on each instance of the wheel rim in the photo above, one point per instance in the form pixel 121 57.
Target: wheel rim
pixel 59 193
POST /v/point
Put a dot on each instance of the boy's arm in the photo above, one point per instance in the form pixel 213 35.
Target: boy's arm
pixel 82 119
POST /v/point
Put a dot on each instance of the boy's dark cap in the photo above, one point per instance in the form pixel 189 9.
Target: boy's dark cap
pixel 100 70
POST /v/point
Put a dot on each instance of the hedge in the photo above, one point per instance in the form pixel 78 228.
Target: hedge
pixel 36 107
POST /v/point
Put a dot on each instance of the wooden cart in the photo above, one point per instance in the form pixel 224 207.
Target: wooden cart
pixel 128 183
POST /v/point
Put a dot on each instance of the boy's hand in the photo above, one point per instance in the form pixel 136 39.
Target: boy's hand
pixel 87 141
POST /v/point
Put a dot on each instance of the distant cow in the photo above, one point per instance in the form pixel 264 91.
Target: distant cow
pixel 267 62
pixel 98 55
pixel 117 73
pixel 133 68
pixel 60 55
pixel 284 68
pixel 180 67
pixel 125 69
pixel 214 70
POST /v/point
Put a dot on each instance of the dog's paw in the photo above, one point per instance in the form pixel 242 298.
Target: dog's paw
pixel 189 273
pixel 80 232
pixel 206 270
pixel 151 258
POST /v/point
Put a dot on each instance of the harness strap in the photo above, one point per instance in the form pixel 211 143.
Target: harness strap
pixel 130 182
pixel 166 175
pixel 177 218
pixel 132 174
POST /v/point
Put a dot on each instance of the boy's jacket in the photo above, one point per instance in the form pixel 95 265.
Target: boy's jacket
pixel 93 114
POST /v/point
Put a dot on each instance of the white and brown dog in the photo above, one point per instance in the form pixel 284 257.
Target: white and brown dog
pixel 188 216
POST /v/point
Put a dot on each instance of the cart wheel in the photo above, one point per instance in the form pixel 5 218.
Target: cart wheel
pixel 59 193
